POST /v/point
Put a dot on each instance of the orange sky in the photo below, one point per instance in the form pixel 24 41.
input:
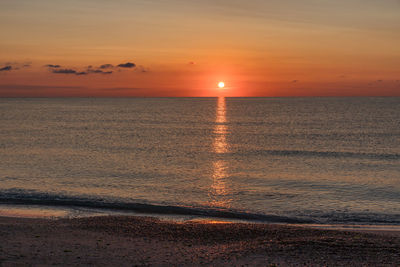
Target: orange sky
pixel 184 48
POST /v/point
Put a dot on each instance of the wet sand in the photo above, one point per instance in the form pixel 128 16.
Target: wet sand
pixel 144 241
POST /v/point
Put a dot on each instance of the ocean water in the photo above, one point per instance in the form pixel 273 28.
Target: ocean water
pixel 295 160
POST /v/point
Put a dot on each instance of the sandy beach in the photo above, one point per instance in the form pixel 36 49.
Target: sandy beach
pixel 145 241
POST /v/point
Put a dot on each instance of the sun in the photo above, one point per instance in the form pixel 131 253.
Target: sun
pixel 221 85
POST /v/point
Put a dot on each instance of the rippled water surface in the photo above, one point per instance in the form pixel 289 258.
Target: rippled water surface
pixel 323 160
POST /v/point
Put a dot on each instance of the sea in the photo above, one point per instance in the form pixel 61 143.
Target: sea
pixel 333 161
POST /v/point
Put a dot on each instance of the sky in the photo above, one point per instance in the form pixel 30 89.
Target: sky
pixel 179 48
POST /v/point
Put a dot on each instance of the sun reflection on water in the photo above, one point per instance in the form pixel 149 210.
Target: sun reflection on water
pixel 220 131
pixel 219 191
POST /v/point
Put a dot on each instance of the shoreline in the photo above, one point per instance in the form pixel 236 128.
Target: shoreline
pixel 65 212
pixel 134 240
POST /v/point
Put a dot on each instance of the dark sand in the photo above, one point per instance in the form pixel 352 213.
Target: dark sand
pixel 130 241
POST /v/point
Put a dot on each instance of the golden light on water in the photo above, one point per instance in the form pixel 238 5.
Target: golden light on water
pixel 219 190
pixel 221 112
pixel 220 130
pixel 218 187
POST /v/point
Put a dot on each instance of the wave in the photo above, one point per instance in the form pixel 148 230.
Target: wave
pixel 329 154
pixel 31 197
pixel 98 203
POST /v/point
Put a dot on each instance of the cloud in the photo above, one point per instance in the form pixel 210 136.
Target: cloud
pixel 64 71
pixel 6 68
pixel 75 72
pixel 94 71
pixel 106 66
pixel 104 69
pixel 295 81
pixel 37 90
pixel 12 66
pixel 56 69
pixel 127 65
pixel 22 87
pixel 52 66
pixel 142 69
pixel 68 71
pixel 99 71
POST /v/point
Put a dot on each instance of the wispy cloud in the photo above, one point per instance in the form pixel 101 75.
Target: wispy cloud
pixel 106 66
pixel 13 66
pixel 56 69
pixel 23 87
pixel 18 90
pixel 99 71
pixel 141 68
pixel 104 69
pixel 6 68
pixel 52 66
pixel 64 71
pixel 127 65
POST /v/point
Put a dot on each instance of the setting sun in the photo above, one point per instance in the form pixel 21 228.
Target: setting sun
pixel 221 85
